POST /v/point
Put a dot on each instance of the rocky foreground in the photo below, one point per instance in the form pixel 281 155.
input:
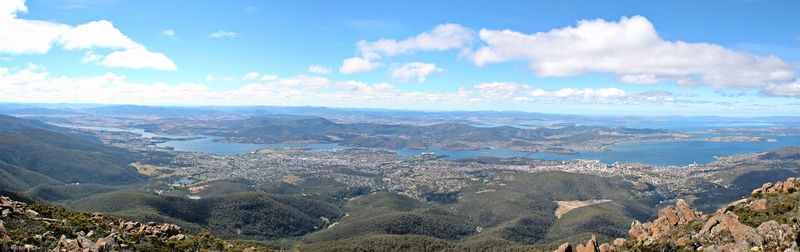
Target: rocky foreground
pixel 38 227
pixel 769 220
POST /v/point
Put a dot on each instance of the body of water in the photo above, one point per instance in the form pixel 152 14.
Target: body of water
pixel 680 153
pixel 209 144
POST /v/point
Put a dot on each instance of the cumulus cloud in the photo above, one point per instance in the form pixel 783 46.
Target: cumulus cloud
pixel 510 91
pixel 222 34
pixel 95 34
pixel 631 48
pixel 442 37
pixel 317 69
pixel 418 70
pixel 212 78
pixel 138 58
pixel 251 76
pixel 784 90
pixel 89 56
pixel 357 65
pixel 168 33
pixel 30 85
pixel 22 36
pixel 247 77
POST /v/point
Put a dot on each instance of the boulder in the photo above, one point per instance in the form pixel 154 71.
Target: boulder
pixel 87 245
pixel 764 188
pixel 729 221
pixel 65 244
pixel 97 216
pixel 774 233
pixel 683 241
pixel 564 248
pixel 178 237
pixel 638 231
pixel 789 184
pixel 667 219
pixel 685 212
pixel 31 213
pixel 747 235
pixel 605 247
pixel 3 235
pixel 591 246
pixel 758 205
pixel 719 222
pixel 107 242
pixel 619 242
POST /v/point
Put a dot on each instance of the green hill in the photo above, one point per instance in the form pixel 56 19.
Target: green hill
pixel 41 227
pixel 241 216
pixel 509 212
pixel 392 213
pixel 30 157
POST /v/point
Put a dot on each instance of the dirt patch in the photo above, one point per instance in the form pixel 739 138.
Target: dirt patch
pixel 566 206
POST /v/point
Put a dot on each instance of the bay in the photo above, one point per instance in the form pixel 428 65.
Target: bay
pixel 678 153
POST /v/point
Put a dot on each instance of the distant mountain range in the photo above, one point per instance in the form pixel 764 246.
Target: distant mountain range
pixel 350 115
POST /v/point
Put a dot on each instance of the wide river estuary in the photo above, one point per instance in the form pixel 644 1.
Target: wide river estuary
pixel 680 153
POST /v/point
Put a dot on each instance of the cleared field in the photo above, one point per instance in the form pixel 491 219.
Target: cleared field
pixel 566 206
pixel 153 170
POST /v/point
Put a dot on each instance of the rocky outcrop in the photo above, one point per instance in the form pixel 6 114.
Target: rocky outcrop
pixel 729 222
pixel 667 218
pixel 8 207
pixel 790 185
pixel 591 246
pixel 719 231
pixel 105 233
pixel 564 248
pixel 724 227
pixel 151 229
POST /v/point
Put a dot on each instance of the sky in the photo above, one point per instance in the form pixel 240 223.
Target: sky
pixel 731 58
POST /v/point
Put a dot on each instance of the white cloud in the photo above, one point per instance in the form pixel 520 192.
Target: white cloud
pixel 139 58
pixel 95 34
pixel 269 77
pixel 251 76
pixel 510 91
pixel 11 7
pixel 22 36
pixel 640 79
pixel 785 90
pixel 632 48
pixel 221 34
pixel 317 69
pixel 89 56
pixel 442 37
pixel 33 86
pixel 418 70
pixel 212 78
pixel 19 36
pixel 246 77
pixel 168 33
pixel 357 65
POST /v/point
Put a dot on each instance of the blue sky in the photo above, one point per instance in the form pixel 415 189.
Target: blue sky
pixel 736 58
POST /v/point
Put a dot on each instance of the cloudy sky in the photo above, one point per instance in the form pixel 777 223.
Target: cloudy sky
pixel 585 57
